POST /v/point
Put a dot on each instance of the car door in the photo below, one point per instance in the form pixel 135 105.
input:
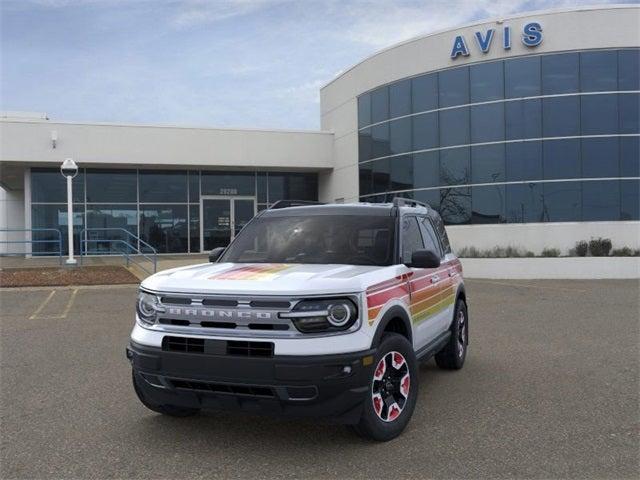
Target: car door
pixel 423 289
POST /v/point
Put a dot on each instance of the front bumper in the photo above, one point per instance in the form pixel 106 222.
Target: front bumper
pixel 328 386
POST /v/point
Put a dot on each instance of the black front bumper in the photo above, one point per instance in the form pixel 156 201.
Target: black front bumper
pixel 328 386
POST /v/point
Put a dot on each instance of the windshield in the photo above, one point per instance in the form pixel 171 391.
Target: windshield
pixel 343 239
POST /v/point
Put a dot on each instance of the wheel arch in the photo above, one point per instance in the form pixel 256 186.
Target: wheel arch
pixel 396 320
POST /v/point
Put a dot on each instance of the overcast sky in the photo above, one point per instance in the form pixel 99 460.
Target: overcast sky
pixel 227 63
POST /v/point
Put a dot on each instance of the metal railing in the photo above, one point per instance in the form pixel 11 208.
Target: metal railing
pixel 57 241
pixel 131 247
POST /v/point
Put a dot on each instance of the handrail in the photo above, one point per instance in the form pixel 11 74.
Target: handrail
pixel 151 256
pixel 32 241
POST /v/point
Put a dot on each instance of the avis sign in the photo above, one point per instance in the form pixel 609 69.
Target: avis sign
pixel 531 37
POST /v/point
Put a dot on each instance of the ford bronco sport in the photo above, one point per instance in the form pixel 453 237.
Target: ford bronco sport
pixel 313 310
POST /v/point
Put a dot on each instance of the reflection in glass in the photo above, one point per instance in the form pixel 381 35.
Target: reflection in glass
pixel 630 156
pixel 425 131
pixel 49 186
pixel 364 110
pixel 599 114
pixel 365 145
pixel 112 186
pixel 295 186
pixel 454 166
pixel 216 223
pixel 165 227
pixel 629 113
pixel 380 140
pixel 402 172
pixel 560 73
pixel 600 200
pixel 488 204
pixel 599 71
pixel 380 105
pixel 522 77
pixel 523 161
pixel 381 175
pixel 426 169
pixel 400 135
pixel 524 203
pixel 600 157
pixel 629 69
pixel 115 218
pixel 194 186
pixel 630 200
pixel 487 81
pixel 54 216
pixel 453 87
pixel 366 178
pixel 430 197
pixel 454 127
pixel 231 183
pixel 424 92
pixel 163 186
pixel 455 205
pixel 194 228
pixel 561 159
pixel 562 202
pixel 487 164
pixel 400 98
pixel 523 119
pixel 487 123
pixel 561 116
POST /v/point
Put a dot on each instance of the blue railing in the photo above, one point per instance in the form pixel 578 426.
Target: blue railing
pixel 57 241
pixel 131 247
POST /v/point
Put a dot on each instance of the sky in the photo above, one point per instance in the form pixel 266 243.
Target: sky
pixel 218 63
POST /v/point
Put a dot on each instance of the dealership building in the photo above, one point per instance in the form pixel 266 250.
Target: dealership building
pixel 520 131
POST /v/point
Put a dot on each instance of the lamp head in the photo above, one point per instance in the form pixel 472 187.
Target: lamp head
pixel 69 168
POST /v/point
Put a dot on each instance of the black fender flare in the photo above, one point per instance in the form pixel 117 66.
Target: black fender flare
pixel 395 311
pixel 461 293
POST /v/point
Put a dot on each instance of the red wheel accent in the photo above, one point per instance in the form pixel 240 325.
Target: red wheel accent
pixel 394 412
pixel 398 360
pixel 405 383
pixel 390 386
pixel 377 404
pixel 380 369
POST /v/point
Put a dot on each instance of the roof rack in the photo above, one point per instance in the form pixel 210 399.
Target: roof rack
pixel 407 202
pixel 293 203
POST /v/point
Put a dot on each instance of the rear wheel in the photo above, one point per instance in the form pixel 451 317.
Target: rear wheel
pixel 393 390
pixel 171 410
pixel 452 356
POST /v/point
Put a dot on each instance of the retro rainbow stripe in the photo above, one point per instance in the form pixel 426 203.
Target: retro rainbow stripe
pixel 267 271
pixel 415 291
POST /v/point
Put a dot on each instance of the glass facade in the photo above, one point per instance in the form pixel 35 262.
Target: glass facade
pixel 161 207
pixel 542 138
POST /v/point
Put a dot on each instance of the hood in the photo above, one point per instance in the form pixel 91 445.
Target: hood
pixel 265 279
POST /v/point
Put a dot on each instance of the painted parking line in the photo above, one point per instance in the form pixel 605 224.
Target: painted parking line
pixel 37 314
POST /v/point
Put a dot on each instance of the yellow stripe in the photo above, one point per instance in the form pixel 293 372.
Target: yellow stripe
pixel 441 305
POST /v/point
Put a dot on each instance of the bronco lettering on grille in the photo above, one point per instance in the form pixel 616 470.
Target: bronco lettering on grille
pixel 212 313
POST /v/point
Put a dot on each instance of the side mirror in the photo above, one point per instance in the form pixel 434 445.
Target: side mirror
pixel 216 253
pixel 424 259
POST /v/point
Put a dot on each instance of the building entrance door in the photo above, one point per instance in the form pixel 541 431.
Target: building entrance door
pixel 221 218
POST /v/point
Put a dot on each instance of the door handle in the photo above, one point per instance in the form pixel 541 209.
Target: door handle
pixel 435 279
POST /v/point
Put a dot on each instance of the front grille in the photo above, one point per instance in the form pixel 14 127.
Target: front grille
pixel 250 349
pixel 249 390
pixel 183 344
pixel 217 347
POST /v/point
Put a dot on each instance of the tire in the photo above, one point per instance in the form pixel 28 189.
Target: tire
pixel 170 410
pixel 384 420
pixel 454 353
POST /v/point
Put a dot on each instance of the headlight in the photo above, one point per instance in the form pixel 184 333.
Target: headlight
pixel 147 307
pixel 328 315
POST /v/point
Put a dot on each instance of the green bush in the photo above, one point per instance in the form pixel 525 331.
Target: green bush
pixel 600 247
pixel 550 252
pixel 625 252
pixel 582 248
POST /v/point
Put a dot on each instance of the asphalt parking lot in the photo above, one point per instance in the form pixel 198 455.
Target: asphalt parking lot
pixel 549 390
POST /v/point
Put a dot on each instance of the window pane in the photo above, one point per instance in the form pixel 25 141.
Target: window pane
pixel 424 91
pixel 364 110
pixel 194 227
pixel 630 200
pixel 426 169
pixel 524 203
pixel 218 183
pixel 293 186
pixel 487 164
pixel 487 123
pixel 381 175
pixel 366 178
pixel 561 116
pixel 523 119
pixel 629 113
pixel 117 186
pixel 194 186
pixel 560 73
pixel 562 202
pixel 411 238
pixel 601 200
pixel 380 105
pixel 165 227
pixel 425 131
pixel 488 204
pixel 599 71
pixel 455 205
pixel 522 77
pixel 48 185
pixel 561 159
pixel 454 87
pixel 163 186
pixel 487 81
pixel 600 157
pixel 454 127
pixel 630 157
pixel 380 141
pixel 629 70
pixel 429 236
pixel 442 233
pixel 400 98
pixel 402 172
pixel 55 217
pixel 261 186
pixel 400 135
pixel 115 218
pixel 454 166
pixel 365 145
pixel 599 114
pixel 430 197
pixel 523 161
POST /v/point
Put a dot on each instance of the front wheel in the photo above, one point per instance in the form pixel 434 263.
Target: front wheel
pixel 452 356
pixel 393 390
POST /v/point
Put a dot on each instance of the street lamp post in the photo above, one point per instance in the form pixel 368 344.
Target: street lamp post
pixel 69 169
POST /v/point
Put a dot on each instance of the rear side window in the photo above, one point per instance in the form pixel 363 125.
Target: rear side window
pixel 442 233
pixel 411 238
pixel 429 236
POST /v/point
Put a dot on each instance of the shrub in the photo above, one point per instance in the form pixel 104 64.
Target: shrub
pixel 600 247
pixel 550 252
pixel 581 248
pixel 625 252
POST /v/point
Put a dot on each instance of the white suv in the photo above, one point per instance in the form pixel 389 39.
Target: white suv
pixel 313 310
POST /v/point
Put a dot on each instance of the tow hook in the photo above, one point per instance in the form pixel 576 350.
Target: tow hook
pixel 129 354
